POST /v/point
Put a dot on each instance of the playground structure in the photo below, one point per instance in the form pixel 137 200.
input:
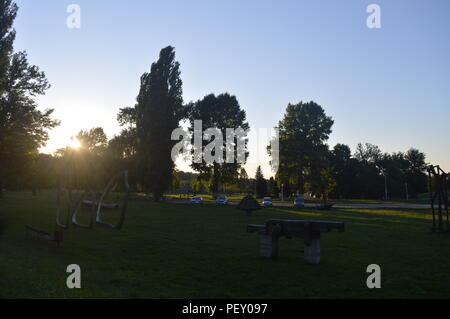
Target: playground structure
pixel 103 205
pixel 72 209
pixel 438 188
pixel 96 203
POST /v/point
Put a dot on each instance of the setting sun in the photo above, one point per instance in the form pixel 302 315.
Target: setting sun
pixel 74 143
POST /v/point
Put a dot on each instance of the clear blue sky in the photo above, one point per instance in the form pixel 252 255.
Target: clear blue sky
pixel 388 86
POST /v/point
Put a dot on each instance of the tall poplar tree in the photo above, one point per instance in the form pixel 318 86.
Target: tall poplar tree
pixel 260 183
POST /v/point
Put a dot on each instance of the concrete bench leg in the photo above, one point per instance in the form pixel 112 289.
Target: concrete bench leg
pixel 269 245
pixel 312 252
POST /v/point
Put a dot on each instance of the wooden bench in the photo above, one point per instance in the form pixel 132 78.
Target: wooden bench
pixel 308 230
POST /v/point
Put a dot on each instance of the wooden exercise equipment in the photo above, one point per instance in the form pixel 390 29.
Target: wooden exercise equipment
pixel 33 232
pixel 112 185
pixel 438 188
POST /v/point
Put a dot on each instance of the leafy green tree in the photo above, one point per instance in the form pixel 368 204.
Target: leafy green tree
pixel 127 117
pixel 23 128
pixel 198 186
pixel 344 171
pixel 303 133
pixel 121 150
pixel 220 112
pixel 415 176
pixel 321 183
pixel 368 153
pixel 393 167
pixel 85 167
pixel 175 182
pixel 94 140
pixel 405 175
pixel 369 174
pixel 272 188
pixel 260 183
pixel 8 12
pixel 243 181
pixel 43 174
pixel 276 189
pixel 159 110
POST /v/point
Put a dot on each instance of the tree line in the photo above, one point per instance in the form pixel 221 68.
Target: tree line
pixel 144 144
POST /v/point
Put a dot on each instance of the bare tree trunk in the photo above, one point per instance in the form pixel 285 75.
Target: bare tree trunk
pixel 300 183
pixel 325 198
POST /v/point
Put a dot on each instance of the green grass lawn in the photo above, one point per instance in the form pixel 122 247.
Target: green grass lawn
pixel 203 251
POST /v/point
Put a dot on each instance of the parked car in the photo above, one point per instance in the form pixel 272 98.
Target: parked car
pixel 299 202
pixel 267 201
pixel 222 200
pixel 196 200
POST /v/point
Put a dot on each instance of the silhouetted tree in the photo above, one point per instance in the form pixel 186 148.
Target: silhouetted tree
pixel 8 12
pixel 23 128
pixel 344 171
pixel 219 112
pixel 243 181
pixel 260 183
pixel 415 177
pixel 302 135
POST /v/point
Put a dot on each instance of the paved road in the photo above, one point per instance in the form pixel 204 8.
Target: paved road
pixel 340 205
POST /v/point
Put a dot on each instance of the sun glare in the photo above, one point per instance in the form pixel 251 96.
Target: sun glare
pixel 74 143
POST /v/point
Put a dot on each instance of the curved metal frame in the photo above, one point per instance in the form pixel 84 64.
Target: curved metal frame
pixel 109 187
pixel 75 222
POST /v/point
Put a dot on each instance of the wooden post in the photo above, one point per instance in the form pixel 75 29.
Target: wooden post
pixel 440 199
pixel 446 199
pixel 430 189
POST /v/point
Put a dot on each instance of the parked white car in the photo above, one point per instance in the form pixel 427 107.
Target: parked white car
pixel 222 200
pixel 196 200
pixel 267 201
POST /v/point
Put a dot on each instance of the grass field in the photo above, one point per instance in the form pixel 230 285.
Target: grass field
pixel 184 251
